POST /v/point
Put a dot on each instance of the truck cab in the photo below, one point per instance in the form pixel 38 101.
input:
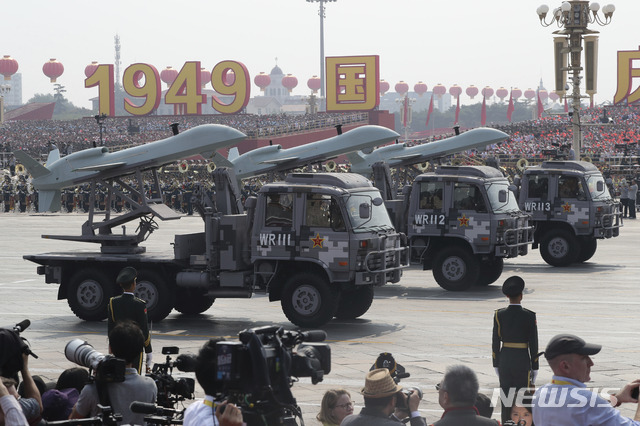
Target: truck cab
pixel 462 222
pixel 571 208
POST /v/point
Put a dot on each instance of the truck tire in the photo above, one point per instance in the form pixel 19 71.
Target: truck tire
pixel 588 246
pixel 559 248
pixel 192 302
pixel 153 289
pixel 88 294
pixel 308 300
pixel 355 303
pixel 455 269
pixel 490 271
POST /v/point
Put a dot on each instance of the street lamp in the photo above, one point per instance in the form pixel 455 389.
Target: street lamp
pixel 321 13
pixel 4 88
pixel 573 17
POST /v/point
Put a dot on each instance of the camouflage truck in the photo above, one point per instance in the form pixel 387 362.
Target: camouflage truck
pixel 319 243
pixel 571 209
pixel 462 222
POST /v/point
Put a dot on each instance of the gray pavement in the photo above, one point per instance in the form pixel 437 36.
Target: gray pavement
pixel 423 326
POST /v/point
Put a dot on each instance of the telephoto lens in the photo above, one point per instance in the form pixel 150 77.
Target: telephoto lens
pixel 82 353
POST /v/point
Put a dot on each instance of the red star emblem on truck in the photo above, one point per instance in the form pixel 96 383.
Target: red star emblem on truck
pixel 566 207
pixel 317 241
pixel 464 220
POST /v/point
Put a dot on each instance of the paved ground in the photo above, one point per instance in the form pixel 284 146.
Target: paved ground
pixel 425 327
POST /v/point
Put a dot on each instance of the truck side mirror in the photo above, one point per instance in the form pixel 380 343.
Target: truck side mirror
pixel 502 196
pixel 364 211
pixel 600 186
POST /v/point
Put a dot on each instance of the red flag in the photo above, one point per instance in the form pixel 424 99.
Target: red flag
pixel 540 107
pixel 457 111
pixel 566 105
pixel 405 111
pixel 483 113
pixel 429 111
pixel 510 108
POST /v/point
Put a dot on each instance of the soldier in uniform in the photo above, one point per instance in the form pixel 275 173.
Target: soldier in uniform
pixel 7 191
pixel 515 343
pixel 128 307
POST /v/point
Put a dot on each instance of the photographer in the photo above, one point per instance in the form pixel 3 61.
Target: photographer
pixel 10 411
pixel 206 412
pixel 381 394
pixel 31 403
pixel 126 342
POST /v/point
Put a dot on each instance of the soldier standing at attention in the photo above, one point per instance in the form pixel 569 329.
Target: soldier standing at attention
pixel 128 307
pixel 516 360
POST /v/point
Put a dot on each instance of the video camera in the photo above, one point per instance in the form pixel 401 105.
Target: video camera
pixel 397 372
pixel 12 346
pixel 104 368
pixel 170 390
pixel 256 372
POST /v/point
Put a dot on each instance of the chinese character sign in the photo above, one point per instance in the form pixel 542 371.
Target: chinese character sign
pixel 352 83
pixel 626 75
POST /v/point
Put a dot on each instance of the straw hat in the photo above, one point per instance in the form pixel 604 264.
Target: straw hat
pixel 379 384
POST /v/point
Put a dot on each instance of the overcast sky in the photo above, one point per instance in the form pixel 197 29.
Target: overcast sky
pixel 485 43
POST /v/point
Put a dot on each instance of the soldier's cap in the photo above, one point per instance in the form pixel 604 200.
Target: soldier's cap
pixel 127 275
pixel 379 384
pixel 513 286
pixel 569 344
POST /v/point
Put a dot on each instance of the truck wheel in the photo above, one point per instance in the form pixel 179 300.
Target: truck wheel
pixel 455 269
pixel 559 248
pixel 308 300
pixel 153 289
pixel 355 303
pixel 88 294
pixel 192 303
pixel 588 248
pixel 490 271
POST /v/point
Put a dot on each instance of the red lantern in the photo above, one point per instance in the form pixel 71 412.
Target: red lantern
pixel 516 93
pixel 262 80
pixel 289 82
pixel 543 94
pixel 554 96
pixel 168 75
pixel 529 94
pixel 53 69
pixel 502 93
pixel 420 88
pixel 487 92
pixel 439 90
pixel 401 88
pixel 471 91
pixel 8 66
pixel 205 77
pixel 314 83
pixel 455 91
pixel 384 87
pixel 229 78
pixel 90 69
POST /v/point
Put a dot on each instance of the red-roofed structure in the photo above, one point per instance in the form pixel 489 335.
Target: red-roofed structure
pixel 34 111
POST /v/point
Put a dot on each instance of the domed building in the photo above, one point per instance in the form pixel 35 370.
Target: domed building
pixel 275 89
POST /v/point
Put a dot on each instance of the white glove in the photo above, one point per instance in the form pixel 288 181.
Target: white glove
pixel 149 360
pixel 497 371
pixel 534 375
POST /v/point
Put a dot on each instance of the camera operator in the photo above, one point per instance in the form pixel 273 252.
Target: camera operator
pixel 125 341
pixel 31 403
pixel 381 394
pixel 206 412
pixel 128 307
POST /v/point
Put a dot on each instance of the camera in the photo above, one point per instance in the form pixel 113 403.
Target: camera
pixel 170 390
pixel 105 368
pixel 257 372
pixel 397 372
pixel 12 346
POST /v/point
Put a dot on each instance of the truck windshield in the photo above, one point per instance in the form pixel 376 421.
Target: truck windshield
pixel 592 184
pixel 377 221
pixel 493 192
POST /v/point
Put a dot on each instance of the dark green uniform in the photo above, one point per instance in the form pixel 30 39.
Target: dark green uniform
pixel 129 307
pixel 515 349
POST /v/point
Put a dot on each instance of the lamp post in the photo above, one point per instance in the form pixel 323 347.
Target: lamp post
pixel 321 13
pixel 573 18
pixel 4 88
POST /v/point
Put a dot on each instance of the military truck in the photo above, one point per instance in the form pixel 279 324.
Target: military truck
pixel 319 243
pixel 461 222
pixel 571 209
